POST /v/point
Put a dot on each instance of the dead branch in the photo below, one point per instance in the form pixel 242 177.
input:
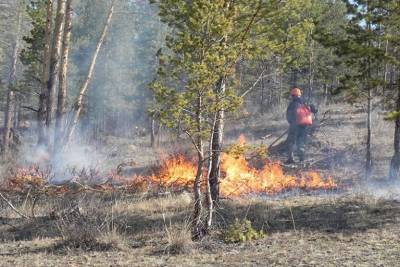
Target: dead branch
pixel 12 207
pixel 277 139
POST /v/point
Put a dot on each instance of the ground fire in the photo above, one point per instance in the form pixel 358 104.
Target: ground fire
pixel 238 177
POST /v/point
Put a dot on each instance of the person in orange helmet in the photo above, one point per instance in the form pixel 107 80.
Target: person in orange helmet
pixel 299 117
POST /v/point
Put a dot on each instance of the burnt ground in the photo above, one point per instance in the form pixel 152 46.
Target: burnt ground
pixel 355 226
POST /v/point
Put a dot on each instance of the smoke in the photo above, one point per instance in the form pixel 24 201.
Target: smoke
pixel 77 157
pixel 117 97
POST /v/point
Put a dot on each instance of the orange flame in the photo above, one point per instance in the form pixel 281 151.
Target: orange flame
pixel 238 178
pixel 174 172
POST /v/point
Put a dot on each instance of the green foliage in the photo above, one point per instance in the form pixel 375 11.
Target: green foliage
pixel 356 46
pixel 32 55
pixel 253 151
pixel 203 47
pixel 392 116
pixel 241 231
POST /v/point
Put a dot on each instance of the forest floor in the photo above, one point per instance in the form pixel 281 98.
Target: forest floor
pixel 355 226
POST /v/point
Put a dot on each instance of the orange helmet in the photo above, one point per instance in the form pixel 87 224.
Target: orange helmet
pixel 295 92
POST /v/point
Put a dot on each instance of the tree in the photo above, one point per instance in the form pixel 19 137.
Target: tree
pixel 192 90
pixel 391 23
pixel 41 113
pixel 359 50
pixel 54 67
pixel 62 91
pixel 8 120
pixel 36 58
pixel 82 91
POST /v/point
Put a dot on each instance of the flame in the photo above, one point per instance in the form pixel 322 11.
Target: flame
pixel 238 177
pixel 241 179
pixel 174 172
pixel 241 140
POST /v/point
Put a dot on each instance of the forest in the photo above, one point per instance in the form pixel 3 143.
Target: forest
pixel 199 132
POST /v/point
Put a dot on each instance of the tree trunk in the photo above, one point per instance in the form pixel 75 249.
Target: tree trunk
pixel 262 100
pixel 394 171
pixel 79 101
pixel 41 114
pixel 368 158
pixel 325 94
pixel 209 196
pixel 153 133
pixel 62 92
pixel 8 121
pixel 311 71
pixel 54 67
pixel 10 107
pixel 217 142
pixel 385 76
pixel 197 229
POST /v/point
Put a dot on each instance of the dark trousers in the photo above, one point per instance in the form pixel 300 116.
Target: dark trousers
pixel 296 141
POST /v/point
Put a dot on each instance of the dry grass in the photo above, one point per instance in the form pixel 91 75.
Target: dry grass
pixel 179 239
pixel 354 229
pixel 170 202
pixel 114 239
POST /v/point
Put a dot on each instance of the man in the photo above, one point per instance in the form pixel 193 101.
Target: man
pixel 299 116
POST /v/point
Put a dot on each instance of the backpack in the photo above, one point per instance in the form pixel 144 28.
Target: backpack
pixel 303 115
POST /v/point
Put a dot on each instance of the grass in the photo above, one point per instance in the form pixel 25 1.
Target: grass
pixel 179 239
pixel 338 230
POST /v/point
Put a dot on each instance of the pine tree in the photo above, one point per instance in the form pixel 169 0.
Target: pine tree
pixel 358 49
pixel 391 23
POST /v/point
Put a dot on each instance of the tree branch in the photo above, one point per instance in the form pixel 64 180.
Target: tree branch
pixel 30 108
pixel 12 207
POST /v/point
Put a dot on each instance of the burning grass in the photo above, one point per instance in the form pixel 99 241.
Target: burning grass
pixel 238 178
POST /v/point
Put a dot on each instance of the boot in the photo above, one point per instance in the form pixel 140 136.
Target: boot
pixel 302 157
pixel 290 160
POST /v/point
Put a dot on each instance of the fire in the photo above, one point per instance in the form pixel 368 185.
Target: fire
pixel 174 172
pixel 238 177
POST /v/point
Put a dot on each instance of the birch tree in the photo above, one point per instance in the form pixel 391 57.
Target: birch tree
pixel 54 68
pixel 62 91
pixel 85 86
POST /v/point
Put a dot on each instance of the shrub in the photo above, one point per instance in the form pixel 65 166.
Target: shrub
pixel 241 231
pixel 78 230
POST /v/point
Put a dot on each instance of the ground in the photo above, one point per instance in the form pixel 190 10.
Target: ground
pixel 357 225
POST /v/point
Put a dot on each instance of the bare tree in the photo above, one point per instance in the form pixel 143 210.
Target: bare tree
pixel 8 120
pixel 54 66
pixel 62 92
pixel 79 101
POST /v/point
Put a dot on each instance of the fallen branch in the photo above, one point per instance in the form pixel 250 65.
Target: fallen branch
pixel 277 139
pixel 12 207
